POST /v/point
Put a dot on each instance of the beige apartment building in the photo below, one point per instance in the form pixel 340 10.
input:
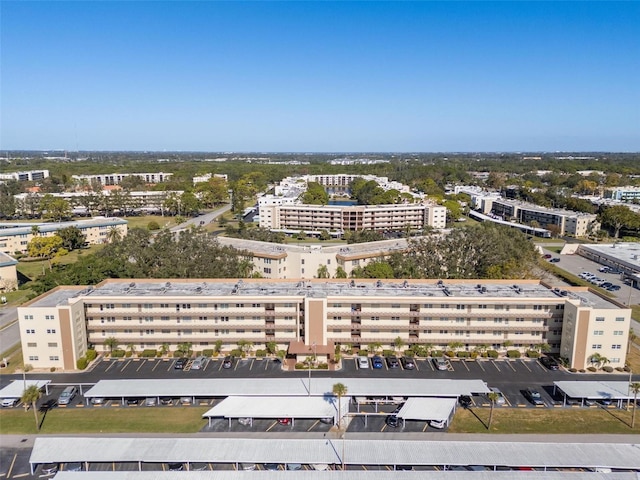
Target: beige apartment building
pixel 337 219
pixel 8 273
pixel 58 326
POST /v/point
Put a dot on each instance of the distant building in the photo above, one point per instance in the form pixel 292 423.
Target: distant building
pixel 208 176
pixel 623 194
pixel 577 224
pixel 16 238
pixel 116 178
pixel 27 176
pixel 8 273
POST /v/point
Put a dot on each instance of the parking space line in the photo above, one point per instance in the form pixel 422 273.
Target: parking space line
pixel 111 364
pixel 15 455
pixel 170 365
pixel 125 366
pixel 271 426
pixel 313 426
pixel 20 475
pixel 493 362
pixel 416 364
pixel 525 365
pixel 113 465
pixel 426 425
pixel 511 366
pixel 481 366
pixel 266 364
pixel 155 366
pixel 465 365
pixel 430 363
pixel 251 365
pixel 140 366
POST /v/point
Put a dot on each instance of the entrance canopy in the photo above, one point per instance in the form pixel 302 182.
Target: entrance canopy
pixel 439 409
pixel 275 407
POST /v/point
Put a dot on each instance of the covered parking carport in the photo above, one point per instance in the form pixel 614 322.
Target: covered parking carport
pixel 443 454
pixel 426 409
pixel 594 390
pixel 17 387
pixel 275 407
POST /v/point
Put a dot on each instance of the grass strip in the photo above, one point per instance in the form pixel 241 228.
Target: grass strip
pixel 105 420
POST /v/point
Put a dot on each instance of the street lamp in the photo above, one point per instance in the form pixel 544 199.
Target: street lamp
pixel 309 362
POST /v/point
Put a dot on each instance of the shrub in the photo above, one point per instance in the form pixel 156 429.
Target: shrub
pixel 492 353
pixel 513 353
pixel 153 225
pixel 463 354
pixel 573 370
pixel 533 354
pixel 437 353
pixel 474 355
pixel 364 353
pixel 236 352
pixel 82 363
pixel 128 353
pixel 581 370
pixel 323 366
pixel 607 368
pixel 627 368
pixel 149 353
pixel 91 355
pixel 592 369
pixel 260 353
pixel 118 353
pixel 207 352
pixel 387 353
pixel 178 354
pixel 300 366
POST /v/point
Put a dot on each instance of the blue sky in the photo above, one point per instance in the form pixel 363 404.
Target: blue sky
pixel 320 76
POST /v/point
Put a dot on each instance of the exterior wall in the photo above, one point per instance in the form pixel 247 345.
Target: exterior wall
pixel 58 336
pixel 8 275
pixel 116 178
pixel 28 176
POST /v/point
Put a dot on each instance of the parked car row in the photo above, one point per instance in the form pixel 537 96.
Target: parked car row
pixel 599 282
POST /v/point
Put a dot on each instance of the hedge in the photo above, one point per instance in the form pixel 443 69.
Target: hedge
pixel 118 353
pixel 149 353
pixel 492 354
pixel 607 369
pixel 513 353
pixel 533 354
pixel 463 354
pixel 91 355
pixel 592 369
pixel 236 352
pixel 260 353
pixel 207 352
pixel 387 353
pixel 437 353
pixel 128 354
pixel 82 363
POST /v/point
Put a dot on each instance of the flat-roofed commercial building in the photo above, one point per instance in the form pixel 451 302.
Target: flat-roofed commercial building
pixel 298 314
pixel 96 230
pixel 623 194
pixel 568 222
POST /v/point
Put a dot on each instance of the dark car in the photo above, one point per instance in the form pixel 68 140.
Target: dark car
pixel 50 468
pixel 392 362
pixel 180 363
pixel 464 401
pixel 408 363
pixel 272 466
pixel 48 405
pixel 132 401
pixel 377 362
pixel 554 260
pixel 176 467
pixel 393 421
pixel 228 361
pixel 534 396
pixel 166 401
pixel 550 363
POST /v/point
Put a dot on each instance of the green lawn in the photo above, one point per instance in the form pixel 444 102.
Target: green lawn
pixel 106 420
pixel 545 420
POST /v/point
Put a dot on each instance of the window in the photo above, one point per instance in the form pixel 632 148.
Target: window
pixel 459 307
pixel 33 358
pixel 619 319
pixel 598 332
pixel 395 318
pixel 596 346
pixel 395 305
pixel 164 305
pixel 53 344
pixel 616 347
pixel 49 317
pixel 599 319
pixel 615 360
pixel 54 358
pixel 618 332
pixel 375 319
pixel 30 330
pixel 28 317
pixel 32 345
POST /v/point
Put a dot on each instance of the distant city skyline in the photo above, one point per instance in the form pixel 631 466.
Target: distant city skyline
pixel 320 77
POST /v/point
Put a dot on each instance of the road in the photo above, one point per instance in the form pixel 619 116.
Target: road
pixel 202 219
pixel 9 331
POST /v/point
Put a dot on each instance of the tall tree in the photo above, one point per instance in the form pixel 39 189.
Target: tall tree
pixel 635 388
pixel 493 398
pixel 72 237
pixel 339 390
pixel 30 397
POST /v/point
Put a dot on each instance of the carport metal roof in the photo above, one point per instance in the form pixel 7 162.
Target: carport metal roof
pixel 596 390
pixel 274 407
pixel 326 450
pixel 427 408
pixel 320 386
pixel 339 475
pixel 15 388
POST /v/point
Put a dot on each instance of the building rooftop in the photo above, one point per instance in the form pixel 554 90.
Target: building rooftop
pixel 538 208
pixel 54 227
pixel 6 260
pixel 627 252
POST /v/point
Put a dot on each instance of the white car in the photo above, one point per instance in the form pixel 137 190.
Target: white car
pixel 440 424
pixel 9 402
pixel 363 362
pixel 500 399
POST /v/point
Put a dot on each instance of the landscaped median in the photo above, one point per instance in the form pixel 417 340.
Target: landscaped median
pixel 189 420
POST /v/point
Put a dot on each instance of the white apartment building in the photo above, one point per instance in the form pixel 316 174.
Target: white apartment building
pixel 208 176
pixel 623 194
pixel 116 178
pixel 57 327
pixel 569 222
pixel 282 261
pixel 96 230
pixel 26 176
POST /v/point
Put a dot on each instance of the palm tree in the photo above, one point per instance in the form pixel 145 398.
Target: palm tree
pixel 375 347
pixel 598 360
pixel 455 346
pixel 632 338
pixel 30 397
pixel 398 343
pixel 132 348
pixel 339 390
pixel 35 230
pixel 164 349
pixel 114 235
pixel 493 398
pixel 112 343
pixel 635 388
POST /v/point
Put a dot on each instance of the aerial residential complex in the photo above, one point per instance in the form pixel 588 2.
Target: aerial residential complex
pixel 57 327
pixel 623 194
pixel 16 237
pixel 284 212
pixel 26 176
